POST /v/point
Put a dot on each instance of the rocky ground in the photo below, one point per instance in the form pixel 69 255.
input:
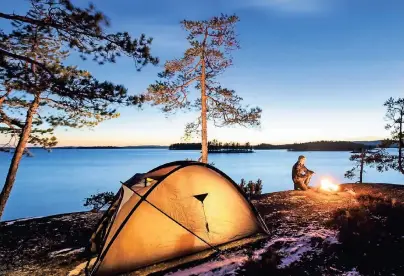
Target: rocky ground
pixel 358 231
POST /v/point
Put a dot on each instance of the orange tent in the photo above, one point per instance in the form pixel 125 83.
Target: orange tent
pixel 174 210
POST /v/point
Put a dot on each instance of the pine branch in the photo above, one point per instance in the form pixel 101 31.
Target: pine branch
pixel 3 97
pixel 24 58
pixel 10 122
pixel 82 30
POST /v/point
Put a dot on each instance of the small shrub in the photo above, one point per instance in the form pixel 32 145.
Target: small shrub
pixel 371 235
pixel 97 201
pixel 189 159
pixel 243 185
pixel 258 187
pixel 252 188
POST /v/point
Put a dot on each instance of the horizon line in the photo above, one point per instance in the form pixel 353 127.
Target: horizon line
pixel 167 145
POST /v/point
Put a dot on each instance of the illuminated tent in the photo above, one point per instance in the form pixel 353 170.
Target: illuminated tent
pixel 177 209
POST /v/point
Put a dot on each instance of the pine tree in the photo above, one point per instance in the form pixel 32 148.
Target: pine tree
pixel 380 158
pixel 243 186
pixel 258 187
pixel 395 116
pixel 38 92
pixel 360 160
pixel 209 56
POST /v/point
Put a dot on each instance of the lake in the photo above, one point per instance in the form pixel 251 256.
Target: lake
pixel 58 182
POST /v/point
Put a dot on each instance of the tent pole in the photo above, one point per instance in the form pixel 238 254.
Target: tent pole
pixel 161 211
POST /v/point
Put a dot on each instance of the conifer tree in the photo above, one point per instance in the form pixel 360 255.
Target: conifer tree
pixel 211 42
pixel 395 117
pixel 39 92
pixel 380 158
pixel 360 160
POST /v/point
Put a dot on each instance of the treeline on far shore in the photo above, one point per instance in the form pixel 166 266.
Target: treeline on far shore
pixel 318 146
pixel 215 146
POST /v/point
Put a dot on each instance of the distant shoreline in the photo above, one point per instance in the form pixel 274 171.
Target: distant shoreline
pixel 231 151
pixel 309 146
pixel 293 150
pixel 107 147
pixel 298 147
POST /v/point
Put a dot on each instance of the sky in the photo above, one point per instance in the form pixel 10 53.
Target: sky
pixel 319 69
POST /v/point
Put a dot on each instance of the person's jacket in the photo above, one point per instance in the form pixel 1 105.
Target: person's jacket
pixel 299 170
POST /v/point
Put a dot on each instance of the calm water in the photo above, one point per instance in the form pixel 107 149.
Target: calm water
pixel 57 182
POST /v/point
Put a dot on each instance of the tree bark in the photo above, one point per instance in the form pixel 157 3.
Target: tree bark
pixel 361 171
pixel 204 110
pixel 204 114
pixel 18 153
pixel 400 145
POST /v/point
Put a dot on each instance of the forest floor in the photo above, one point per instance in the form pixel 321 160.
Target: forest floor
pixel 358 231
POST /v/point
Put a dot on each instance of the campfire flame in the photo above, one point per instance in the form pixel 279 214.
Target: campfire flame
pixel 327 185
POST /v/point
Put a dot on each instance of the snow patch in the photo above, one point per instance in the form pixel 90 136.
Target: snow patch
pixel 295 248
pixel 11 222
pixel 60 251
pixel 257 253
pixel 292 250
pixel 225 266
pixel 293 254
pixel 66 252
pixel 329 236
pixel 351 273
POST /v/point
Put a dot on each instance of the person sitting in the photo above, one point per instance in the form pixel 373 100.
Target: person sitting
pixel 301 175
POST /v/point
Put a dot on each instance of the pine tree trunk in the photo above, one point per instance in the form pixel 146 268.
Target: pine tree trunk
pixel 204 114
pixel 18 153
pixel 361 171
pixel 400 146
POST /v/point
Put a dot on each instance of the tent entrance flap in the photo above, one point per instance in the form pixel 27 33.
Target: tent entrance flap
pixel 201 198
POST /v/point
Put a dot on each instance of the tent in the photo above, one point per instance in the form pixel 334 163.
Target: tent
pixel 174 210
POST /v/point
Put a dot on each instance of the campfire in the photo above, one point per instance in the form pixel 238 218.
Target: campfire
pixel 327 185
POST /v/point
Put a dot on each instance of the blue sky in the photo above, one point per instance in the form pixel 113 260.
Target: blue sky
pixel 319 69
